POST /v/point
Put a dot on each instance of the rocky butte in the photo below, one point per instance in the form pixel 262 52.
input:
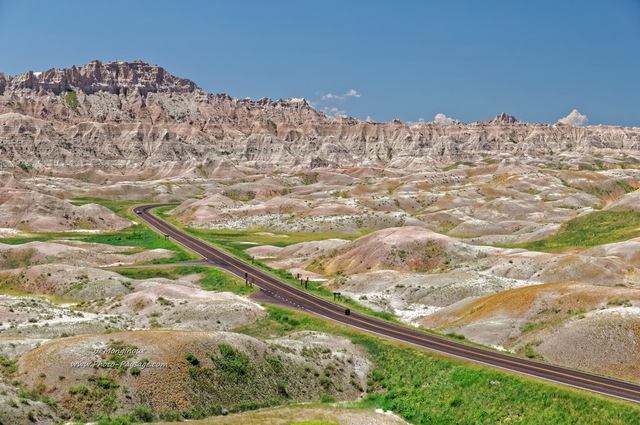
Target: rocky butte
pixel 135 116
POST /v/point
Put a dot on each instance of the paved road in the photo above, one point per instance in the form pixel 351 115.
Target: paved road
pixel 299 298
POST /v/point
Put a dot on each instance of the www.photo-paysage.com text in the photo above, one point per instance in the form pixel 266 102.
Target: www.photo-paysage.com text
pixel 128 365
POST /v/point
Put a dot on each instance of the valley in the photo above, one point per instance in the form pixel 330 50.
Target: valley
pixel 522 239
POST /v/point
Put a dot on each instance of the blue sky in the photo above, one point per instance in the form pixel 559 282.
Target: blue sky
pixel 470 60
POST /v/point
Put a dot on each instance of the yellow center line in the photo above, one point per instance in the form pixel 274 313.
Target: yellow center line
pixel 205 247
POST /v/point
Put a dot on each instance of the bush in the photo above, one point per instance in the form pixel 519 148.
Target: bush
pixel 79 389
pixel 327 399
pixel 143 414
pixel 455 336
pixel 232 361
pixel 191 358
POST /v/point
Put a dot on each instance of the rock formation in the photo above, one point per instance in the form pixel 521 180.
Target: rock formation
pixel 135 116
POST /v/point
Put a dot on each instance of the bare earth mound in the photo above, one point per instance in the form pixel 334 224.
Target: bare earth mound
pixel 405 248
pixel 549 319
pixel 28 210
pixel 73 253
pixel 181 306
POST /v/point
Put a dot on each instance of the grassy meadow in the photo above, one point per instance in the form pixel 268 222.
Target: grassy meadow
pixel 596 228
pixel 211 280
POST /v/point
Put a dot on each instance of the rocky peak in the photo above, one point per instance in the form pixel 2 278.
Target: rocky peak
pixel 3 82
pixel 116 77
pixel 504 119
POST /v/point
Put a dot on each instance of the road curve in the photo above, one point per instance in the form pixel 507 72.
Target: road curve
pixel 298 298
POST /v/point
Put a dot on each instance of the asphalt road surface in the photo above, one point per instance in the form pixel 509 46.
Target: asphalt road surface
pixel 298 298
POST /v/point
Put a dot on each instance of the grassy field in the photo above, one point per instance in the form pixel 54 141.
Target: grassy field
pixel 211 280
pixel 426 388
pixel 597 228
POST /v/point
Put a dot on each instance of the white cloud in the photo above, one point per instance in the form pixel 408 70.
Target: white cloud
pixel 412 123
pixel 333 111
pixel 574 119
pixel 442 119
pixel 350 93
pixel 369 119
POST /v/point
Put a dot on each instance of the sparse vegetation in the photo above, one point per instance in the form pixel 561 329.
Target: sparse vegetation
pixel 455 165
pixel 70 100
pixel 619 302
pixel 272 126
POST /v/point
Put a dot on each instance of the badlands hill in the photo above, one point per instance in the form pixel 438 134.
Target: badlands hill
pixel 137 118
pixel 177 371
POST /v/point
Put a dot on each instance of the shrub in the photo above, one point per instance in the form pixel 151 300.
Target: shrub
pixel 79 389
pixel 143 414
pixel 191 358
pixel 232 362
pixel 327 399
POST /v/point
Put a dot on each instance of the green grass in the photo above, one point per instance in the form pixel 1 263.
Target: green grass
pixel 145 238
pixel 140 235
pixel 211 280
pixel 456 164
pixel 70 100
pixel 596 228
pixel 426 388
pixel 7 288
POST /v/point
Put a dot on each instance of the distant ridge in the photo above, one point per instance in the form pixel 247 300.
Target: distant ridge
pixel 139 116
